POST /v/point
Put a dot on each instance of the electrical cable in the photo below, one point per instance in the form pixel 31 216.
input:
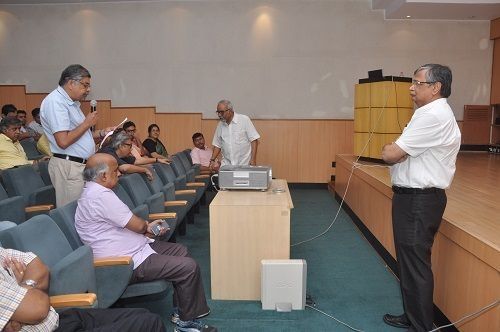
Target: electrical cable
pixel 337 320
pixel 474 314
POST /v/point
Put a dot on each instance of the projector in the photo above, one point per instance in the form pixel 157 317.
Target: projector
pixel 245 177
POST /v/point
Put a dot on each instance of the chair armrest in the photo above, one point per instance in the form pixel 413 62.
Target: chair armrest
pixel 185 192
pixel 43 195
pixel 39 208
pixel 205 173
pixel 110 261
pixel 163 215
pixel 176 203
pixel 73 300
pixel 202 176
pixel 195 184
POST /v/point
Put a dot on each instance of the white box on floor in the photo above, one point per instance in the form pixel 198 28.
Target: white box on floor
pixel 283 284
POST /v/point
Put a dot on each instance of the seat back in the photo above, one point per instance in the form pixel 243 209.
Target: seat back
pixel 140 193
pixel 71 271
pixel 26 182
pixel 141 210
pixel 64 217
pixel 187 152
pixel 29 147
pixel 185 161
pixel 167 175
pixel 11 208
pixel 43 169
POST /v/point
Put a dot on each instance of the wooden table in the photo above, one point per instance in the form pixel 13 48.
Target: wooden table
pixel 246 227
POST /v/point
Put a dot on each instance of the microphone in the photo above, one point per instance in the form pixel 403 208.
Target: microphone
pixel 93 105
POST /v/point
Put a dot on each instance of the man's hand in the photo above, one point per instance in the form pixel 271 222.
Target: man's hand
pixel 149 175
pixel 12 326
pixel 91 119
pixel 253 162
pixel 162 161
pixel 16 267
pixel 164 228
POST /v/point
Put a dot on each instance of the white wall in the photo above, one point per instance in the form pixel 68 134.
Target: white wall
pixel 273 59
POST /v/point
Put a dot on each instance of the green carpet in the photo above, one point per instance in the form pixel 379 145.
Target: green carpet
pixel 346 278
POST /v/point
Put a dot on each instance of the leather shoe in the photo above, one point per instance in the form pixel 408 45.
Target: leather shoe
pixel 400 321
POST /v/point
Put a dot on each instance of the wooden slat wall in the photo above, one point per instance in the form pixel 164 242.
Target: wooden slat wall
pixel 476 124
pixel 176 129
pixel 13 94
pixel 141 116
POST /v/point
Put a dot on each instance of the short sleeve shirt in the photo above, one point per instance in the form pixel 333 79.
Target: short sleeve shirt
pixel 234 140
pixel 59 112
pixel 11 294
pixel 432 141
pixel 100 221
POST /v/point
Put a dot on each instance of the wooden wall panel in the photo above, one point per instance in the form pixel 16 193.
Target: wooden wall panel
pixel 278 147
pixel 176 129
pixel 13 94
pixel 476 124
pixel 495 28
pixel 33 100
pixel 208 129
pixel 141 116
pixel 319 142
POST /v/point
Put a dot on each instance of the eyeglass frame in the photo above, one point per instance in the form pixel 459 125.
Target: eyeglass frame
pixel 222 112
pixel 419 83
pixel 84 84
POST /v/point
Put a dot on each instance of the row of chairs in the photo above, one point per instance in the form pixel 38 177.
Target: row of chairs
pixel 100 283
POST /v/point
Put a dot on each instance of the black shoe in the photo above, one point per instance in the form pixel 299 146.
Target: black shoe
pixel 400 321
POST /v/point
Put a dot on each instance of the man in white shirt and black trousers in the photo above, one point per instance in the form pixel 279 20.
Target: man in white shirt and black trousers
pixel 423 164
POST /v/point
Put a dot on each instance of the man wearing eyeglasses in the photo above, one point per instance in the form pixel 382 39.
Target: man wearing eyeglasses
pixel 423 164
pixel 69 132
pixel 235 136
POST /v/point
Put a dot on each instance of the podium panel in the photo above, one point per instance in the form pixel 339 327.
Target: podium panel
pixel 389 120
pixel 390 94
pixel 361 95
pixel 362 120
pixel 378 141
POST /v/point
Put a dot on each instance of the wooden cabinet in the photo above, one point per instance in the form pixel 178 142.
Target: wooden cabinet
pixel 476 125
pixel 381 111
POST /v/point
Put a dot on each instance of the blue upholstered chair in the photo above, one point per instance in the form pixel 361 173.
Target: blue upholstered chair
pixel 26 182
pixel 112 280
pixel 11 208
pixel 30 149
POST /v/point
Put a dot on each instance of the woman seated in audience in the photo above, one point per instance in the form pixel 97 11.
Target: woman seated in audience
pixel 154 145
pixel 141 155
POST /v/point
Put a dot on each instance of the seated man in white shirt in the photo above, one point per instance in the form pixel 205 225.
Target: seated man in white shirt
pixel 36 124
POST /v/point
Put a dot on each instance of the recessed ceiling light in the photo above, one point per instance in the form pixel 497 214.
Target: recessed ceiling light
pixel 408 16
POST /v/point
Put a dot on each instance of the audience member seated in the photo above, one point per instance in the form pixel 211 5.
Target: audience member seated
pixel 24 281
pixel 201 154
pixel 26 132
pixel 108 226
pixel 142 156
pixel 9 110
pixel 153 144
pixel 36 125
pixel 11 151
pixel 120 146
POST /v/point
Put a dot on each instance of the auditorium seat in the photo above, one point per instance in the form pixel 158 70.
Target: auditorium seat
pixel 11 208
pixel 43 169
pixel 191 182
pixel 181 207
pixel 140 194
pixel 112 281
pixel 26 182
pixel 167 175
pixel 30 149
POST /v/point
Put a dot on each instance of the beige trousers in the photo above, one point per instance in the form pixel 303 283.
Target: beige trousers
pixel 67 178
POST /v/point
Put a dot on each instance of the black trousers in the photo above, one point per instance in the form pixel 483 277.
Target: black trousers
pixel 416 218
pixel 100 320
pixel 173 264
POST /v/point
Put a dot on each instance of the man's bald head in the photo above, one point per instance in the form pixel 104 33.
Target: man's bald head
pixel 101 168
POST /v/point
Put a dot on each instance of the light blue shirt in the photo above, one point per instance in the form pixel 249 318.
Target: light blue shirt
pixel 59 112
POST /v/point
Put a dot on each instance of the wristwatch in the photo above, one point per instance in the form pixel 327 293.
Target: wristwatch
pixel 29 282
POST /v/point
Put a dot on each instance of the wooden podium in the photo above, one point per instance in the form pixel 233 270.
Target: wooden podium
pixel 245 228
pixel 383 108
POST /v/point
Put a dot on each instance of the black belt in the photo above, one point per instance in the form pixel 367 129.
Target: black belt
pixel 68 157
pixel 404 190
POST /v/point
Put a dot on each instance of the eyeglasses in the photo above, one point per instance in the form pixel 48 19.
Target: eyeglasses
pixel 131 130
pixel 128 144
pixel 85 84
pixel 416 82
pixel 221 112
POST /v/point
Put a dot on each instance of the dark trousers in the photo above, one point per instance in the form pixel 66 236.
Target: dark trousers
pixel 416 218
pixel 100 320
pixel 173 264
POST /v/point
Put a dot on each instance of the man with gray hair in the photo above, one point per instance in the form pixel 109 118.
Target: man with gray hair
pixel 423 165
pixel 108 226
pixel 235 136
pixel 69 132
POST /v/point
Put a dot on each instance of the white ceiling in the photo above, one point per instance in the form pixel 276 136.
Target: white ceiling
pixel 394 9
